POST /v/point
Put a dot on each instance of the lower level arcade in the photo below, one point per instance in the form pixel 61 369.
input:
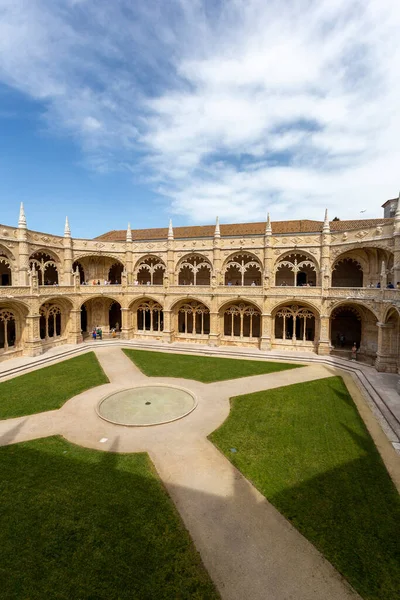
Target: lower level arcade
pixel 287 326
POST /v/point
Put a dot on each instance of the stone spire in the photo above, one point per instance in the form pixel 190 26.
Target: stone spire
pixel 217 232
pixel 326 228
pixel 170 231
pixel 268 226
pixel 67 230
pixel 22 218
pixel 129 233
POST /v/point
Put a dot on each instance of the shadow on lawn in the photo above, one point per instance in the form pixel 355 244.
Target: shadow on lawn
pixel 90 527
pixel 9 436
pixel 129 543
pixel 352 515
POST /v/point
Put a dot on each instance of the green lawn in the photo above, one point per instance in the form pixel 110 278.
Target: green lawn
pixel 307 450
pixel 50 387
pixel 77 524
pixel 200 368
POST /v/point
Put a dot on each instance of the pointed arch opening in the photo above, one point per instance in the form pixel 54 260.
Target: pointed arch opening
pixel 295 325
pixel 194 270
pixel 352 323
pixel 242 269
pixel 296 269
pixel 192 319
pixel 150 271
pixel 46 268
pixel 241 321
pixel 5 270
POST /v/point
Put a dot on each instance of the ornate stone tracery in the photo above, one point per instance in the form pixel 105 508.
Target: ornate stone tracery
pixel 46 268
pixel 295 269
pixel 194 270
pixel 295 323
pixel 242 320
pixel 242 269
pixel 150 271
pixel 150 316
pixel 50 321
pixel 7 329
pixel 194 318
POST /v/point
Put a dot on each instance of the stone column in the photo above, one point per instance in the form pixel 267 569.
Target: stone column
pixel 75 334
pixel 324 342
pixel 386 356
pixel 170 258
pixel 168 332
pixel 396 248
pixel 268 258
pixel 126 325
pixel 325 273
pixel 23 250
pixel 129 256
pixel 217 276
pixel 266 331
pixel 68 278
pixel 33 343
pixel 214 328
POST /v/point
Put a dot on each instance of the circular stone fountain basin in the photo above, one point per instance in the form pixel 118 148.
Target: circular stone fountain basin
pixel 147 405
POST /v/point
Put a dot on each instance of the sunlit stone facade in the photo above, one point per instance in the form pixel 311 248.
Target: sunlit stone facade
pixel 293 285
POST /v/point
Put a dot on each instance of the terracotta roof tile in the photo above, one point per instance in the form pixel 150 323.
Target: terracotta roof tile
pixel 239 229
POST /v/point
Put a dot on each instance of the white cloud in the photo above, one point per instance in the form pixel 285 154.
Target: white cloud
pixel 91 124
pixel 228 109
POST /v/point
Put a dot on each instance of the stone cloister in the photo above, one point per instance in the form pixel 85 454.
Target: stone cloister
pixel 292 285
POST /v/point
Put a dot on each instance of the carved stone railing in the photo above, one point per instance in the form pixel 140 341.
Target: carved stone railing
pixel 10 291
pixel 377 294
pixel 362 293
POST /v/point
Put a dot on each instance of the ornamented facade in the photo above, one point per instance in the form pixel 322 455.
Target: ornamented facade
pixel 290 285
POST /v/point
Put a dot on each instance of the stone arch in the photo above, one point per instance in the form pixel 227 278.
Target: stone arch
pixel 347 272
pixel 51 323
pixel 54 322
pixel 388 354
pixel 45 266
pixel 102 312
pixel 5 271
pixel 371 258
pixel 12 326
pixel 115 273
pixel 296 268
pixel 97 267
pixel 191 317
pixel 241 319
pixel 390 309
pixel 194 269
pixel 77 267
pixel 352 322
pixel 49 252
pixel 149 270
pixel 147 314
pixel 242 268
pixel 4 251
pixel 295 323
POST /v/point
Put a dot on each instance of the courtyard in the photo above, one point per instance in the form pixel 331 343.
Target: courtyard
pixel 270 486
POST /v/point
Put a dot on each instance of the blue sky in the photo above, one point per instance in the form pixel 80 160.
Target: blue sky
pixel 125 111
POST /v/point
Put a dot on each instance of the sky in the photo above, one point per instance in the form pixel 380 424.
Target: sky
pixel 187 109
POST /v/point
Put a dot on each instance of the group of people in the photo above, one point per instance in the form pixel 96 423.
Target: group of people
pixel 253 283
pixel 390 285
pixel 97 282
pixel 97 332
